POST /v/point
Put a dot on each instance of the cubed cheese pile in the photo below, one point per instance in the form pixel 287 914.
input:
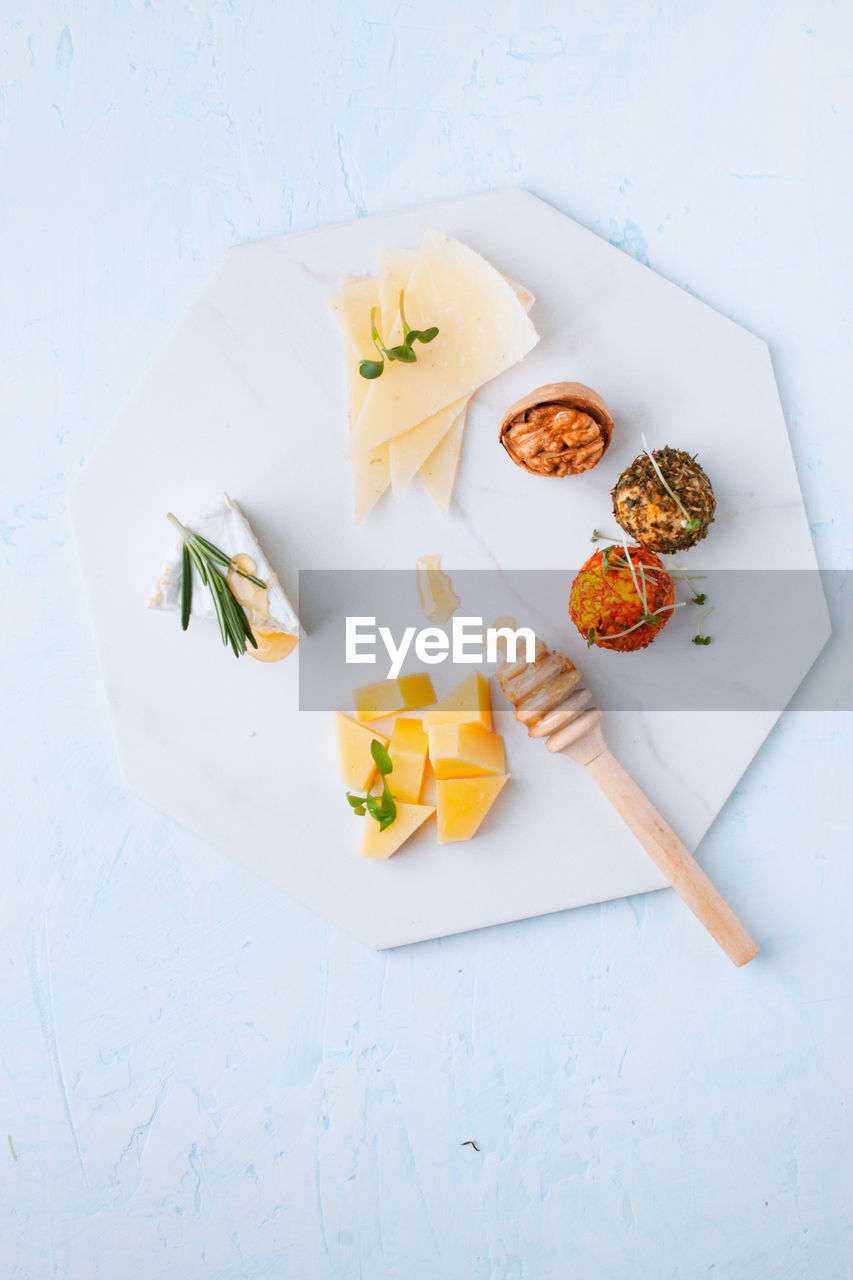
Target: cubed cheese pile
pixel 410 421
pixel 451 750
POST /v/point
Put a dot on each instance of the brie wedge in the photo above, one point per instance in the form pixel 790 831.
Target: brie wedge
pixel 271 616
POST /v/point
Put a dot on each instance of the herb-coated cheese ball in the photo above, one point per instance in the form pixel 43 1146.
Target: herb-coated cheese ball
pixel 669 514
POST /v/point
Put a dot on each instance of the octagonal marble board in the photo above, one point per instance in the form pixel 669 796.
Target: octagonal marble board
pixel 248 397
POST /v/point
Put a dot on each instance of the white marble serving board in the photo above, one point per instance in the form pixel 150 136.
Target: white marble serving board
pixel 248 397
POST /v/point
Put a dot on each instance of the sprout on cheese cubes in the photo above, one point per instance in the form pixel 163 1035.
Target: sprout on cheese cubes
pixel 455 735
pixel 387 697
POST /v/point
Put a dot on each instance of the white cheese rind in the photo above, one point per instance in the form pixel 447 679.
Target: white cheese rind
pixel 227 528
pixel 483 330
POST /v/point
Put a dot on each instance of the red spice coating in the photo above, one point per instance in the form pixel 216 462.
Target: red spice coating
pixel 605 601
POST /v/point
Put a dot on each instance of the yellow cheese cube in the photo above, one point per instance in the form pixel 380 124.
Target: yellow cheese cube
pixel 385 697
pixel 463 804
pixel 416 691
pixel 465 751
pixel 357 767
pixel 408 752
pixel 469 701
pixel 381 844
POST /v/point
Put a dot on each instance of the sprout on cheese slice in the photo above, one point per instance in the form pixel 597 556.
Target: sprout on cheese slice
pixel 483 330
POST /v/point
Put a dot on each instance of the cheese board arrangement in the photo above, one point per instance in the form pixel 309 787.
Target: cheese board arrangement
pixel 477 380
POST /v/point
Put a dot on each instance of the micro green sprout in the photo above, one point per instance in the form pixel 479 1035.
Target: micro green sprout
pixel 382 808
pixel 404 351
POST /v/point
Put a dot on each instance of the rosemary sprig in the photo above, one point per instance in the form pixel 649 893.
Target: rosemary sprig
pixel 404 351
pixel 383 809
pixel 211 564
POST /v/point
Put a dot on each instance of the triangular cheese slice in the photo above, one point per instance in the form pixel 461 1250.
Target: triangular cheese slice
pixel 371 476
pixel 357 764
pixel 463 804
pixel 408 453
pixel 381 844
pixel 470 701
pixel 395 269
pixel 483 329
pixel 439 471
pixel 352 303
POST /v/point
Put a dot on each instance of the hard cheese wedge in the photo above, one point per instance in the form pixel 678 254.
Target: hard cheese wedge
pixel 439 471
pixel 463 804
pixel 352 304
pixel 465 751
pixel 408 752
pixel 483 329
pixel 395 268
pixel 408 452
pixel 382 844
pixel 468 702
pixel 357 766
pixel 386 697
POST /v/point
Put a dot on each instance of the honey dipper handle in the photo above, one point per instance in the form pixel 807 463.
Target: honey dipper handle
pixel 672 858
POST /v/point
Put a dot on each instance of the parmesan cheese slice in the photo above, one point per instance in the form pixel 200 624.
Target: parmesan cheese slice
pixel 439 471
pixel 483 330
pixel 408 453
pixel 352 305
pixel 395 270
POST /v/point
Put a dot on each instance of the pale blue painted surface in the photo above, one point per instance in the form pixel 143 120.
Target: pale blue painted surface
pixel 201 1079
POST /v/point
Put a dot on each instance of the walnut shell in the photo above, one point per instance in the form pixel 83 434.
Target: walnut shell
pixel 560 429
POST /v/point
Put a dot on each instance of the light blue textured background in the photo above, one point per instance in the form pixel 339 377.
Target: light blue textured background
pixel 200 1078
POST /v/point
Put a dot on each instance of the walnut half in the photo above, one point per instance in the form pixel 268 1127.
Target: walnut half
pixel 558 430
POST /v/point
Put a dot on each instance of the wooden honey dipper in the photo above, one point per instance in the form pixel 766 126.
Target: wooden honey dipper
pixel 547 699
